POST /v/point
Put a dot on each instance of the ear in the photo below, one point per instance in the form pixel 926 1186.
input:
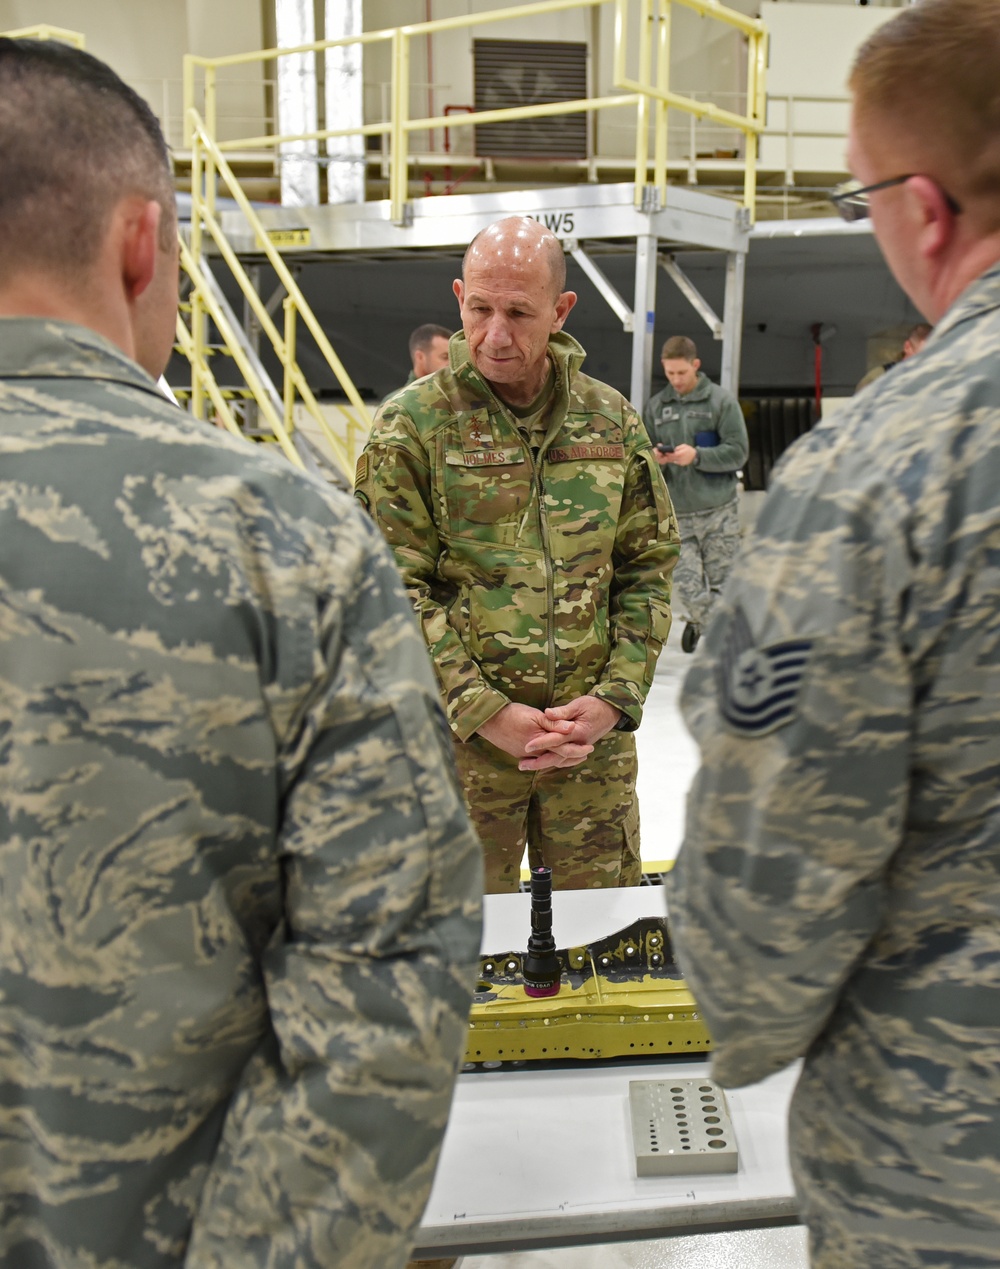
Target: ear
pixel 564 304
pixel 696 363
pixel 934 219
pixel 459 288
pixel 140 242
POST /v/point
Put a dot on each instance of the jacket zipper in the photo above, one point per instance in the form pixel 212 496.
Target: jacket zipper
pixel 543 533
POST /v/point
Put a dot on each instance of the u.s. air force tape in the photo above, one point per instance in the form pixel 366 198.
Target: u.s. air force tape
pixel 759 687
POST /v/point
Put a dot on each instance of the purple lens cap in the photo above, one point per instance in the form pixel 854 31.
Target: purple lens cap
pixel 542 991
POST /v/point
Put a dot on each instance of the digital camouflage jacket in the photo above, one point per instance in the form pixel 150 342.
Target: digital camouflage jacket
pixel 239 894
pixel 535 580
pixel 838 891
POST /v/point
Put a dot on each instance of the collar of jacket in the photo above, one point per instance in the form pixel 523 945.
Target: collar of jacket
pixel 979 297
pixel 43 348
pixel 566 354
pixel 701 391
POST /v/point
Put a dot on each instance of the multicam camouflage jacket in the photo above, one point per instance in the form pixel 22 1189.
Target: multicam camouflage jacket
pixel 838 891
pixel 536 580
pixel 239 895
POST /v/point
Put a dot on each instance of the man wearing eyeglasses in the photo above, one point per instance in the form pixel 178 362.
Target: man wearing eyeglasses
pixel 837 896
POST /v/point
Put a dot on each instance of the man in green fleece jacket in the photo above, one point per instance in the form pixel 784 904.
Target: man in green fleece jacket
pixel 700 442
pixel 536 539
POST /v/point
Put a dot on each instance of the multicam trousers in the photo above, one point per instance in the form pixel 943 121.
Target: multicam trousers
pixel 582 822
pixel 710 541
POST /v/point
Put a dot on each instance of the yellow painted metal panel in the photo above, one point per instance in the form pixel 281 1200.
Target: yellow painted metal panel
pixel 619 996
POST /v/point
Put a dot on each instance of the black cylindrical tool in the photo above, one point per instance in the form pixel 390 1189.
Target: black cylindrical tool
pixel 541 968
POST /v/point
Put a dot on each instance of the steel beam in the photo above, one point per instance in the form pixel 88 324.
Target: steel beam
pixel 697 301
pixel 645 316
pixel 602 282
pixel 584 212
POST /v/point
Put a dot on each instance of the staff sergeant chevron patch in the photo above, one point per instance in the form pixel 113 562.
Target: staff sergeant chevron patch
pixel 759 687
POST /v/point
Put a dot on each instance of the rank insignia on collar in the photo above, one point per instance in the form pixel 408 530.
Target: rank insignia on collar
pixel 759 687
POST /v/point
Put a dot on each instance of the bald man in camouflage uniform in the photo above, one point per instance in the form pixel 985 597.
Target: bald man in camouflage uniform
pixel 536 539
pixel 838 892
pixel 239 893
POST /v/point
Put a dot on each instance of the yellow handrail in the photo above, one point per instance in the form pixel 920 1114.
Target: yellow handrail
pixel 650 93
pixel 45 32
pixel 197 355
pixel 207 160
pixel 225 414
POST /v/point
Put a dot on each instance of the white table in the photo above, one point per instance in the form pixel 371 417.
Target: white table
pixel 543 1157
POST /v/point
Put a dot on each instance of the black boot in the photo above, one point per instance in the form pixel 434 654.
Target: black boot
pixel 689 637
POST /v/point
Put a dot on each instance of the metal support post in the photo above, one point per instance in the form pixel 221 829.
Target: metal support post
pixel 253 331
pixel 732 335
pixel 288 395
pixel 250 323
pixel 645 316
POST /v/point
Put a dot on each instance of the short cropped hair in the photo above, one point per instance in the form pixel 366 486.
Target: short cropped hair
pixel 679 348
pixel 74 141
pixel 919 334
pixel 930 75
pixel 424 336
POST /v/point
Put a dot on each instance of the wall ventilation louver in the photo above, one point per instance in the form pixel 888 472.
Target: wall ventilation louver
pixel 526 73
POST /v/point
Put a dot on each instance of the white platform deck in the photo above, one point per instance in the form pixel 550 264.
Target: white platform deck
pixel 689 218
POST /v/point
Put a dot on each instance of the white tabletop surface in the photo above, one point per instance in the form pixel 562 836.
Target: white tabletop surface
pixel 539 1156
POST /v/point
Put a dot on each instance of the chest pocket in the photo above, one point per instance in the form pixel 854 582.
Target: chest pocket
pixel 667 425
pixel 584 482
pixel 485 491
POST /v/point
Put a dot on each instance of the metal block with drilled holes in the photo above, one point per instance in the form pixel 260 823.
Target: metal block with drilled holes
pixel 681 1126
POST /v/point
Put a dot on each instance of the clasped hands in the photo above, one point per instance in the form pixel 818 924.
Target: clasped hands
pixel 561 736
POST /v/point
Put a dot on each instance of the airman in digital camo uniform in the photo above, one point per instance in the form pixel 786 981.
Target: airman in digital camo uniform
pixel 838 892
pixel 239 893
pixel 536 539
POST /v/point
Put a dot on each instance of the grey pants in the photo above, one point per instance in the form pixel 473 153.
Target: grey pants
pixel 709 543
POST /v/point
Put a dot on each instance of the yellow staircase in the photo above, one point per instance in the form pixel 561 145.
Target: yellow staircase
pixel 207 307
